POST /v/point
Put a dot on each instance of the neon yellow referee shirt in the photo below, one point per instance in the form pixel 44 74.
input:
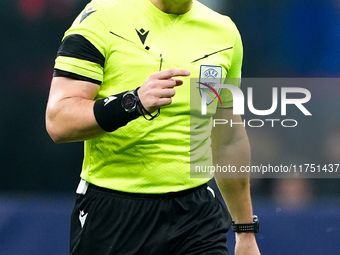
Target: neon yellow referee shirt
pixel 117 44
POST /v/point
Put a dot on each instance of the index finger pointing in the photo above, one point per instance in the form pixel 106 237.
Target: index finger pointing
pixel 169 73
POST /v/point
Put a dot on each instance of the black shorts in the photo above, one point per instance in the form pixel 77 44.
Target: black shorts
pixel 111 222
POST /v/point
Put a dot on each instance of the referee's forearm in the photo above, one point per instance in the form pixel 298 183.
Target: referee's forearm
pixel 72 119
pixel 69 112
pixel 236 193
pixel 235 188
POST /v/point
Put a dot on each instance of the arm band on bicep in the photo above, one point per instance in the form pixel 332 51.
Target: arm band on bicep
pixel 109 113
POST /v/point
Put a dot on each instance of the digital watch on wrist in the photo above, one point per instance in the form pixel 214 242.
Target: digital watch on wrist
pixel 253 227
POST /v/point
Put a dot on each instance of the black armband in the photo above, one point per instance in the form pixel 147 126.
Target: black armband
pixel 116 111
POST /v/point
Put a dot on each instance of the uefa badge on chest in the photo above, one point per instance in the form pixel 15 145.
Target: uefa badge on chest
pixel 210 77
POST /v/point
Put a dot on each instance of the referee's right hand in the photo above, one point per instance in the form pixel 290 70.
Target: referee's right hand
pixel 158 89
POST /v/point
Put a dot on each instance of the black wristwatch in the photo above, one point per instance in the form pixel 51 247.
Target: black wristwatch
pixel 130 102
pixel 253 227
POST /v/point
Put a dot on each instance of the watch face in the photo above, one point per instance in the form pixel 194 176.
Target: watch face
pixel 129 102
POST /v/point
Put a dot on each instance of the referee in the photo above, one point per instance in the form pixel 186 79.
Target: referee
pixel 122 85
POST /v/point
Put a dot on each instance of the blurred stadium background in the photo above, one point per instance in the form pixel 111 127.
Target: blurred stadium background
pixel 281 38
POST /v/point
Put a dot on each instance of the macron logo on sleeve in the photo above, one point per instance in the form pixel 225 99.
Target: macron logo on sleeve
pixel 86 13
pixel 109 99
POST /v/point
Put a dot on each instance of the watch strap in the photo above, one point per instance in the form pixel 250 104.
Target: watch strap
pixel 246 227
